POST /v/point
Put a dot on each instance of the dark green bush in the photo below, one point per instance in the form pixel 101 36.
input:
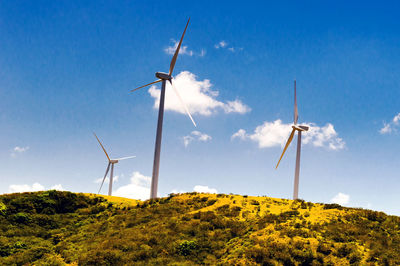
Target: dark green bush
pixel 332 206
pixel 187 247
pixel 21 218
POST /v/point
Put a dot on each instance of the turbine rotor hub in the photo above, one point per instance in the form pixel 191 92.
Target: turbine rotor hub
pixel 113 161
pixel 163 76
pixel 300 128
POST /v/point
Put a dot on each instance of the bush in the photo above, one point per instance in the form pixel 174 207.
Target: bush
pixel 102 257
pixel 3 208
pixel 187 247
pixel 254 202
pixel 332 206
pixel 22 218
pixel 211 202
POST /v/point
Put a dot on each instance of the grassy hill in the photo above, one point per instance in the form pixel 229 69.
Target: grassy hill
pixel 58 228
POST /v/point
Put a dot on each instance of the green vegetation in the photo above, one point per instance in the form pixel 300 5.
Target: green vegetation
pixel 59 228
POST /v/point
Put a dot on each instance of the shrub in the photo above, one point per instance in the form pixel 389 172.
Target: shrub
pixel 3 208
pixel 22 218
pixel 254 202
pixel 324 248
pixel 211 202
pixel 102 257
pixel 332 206
pixel 187 247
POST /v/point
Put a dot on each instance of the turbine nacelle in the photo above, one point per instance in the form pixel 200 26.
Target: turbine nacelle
pixel 300 128
pixel 163 76
pixel 113 161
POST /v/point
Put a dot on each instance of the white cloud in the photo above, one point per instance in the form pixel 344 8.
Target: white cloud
pixel 30 188
pixel 240 134
pixel 236 106
pixel 195 136
pixel 387 128
pixel 58 187
pixel 396 119
pixel 391 126
pixel 21 149
pixel 224 45
pixel 25 188
pixel 276 133
pixel 323 137
pixel 266 135
pixel 204 189
pixel 341 199
pixel 221 44
pixel 18 150
pixel 197 95
pixel 184 49
pixel 138 188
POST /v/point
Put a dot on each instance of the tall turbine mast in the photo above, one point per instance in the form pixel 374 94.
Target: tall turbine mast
pixel 298 152
pixel 163 78
pixel 299 129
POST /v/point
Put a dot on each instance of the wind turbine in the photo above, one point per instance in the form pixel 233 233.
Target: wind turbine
pixel 299 129
pixel 163 78
pixel 110 162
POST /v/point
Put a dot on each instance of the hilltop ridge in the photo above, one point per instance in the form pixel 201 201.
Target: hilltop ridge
pixel 60 228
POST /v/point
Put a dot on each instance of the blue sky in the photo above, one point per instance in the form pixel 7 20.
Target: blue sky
pixel 66 69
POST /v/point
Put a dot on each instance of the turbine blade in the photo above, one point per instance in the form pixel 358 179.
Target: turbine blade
pixel 173 61
pixel 296 113
pixel 182 102
pixel 101 146
pixel 146 85
pixel 123 158
pixel 286 146
pixel 104 178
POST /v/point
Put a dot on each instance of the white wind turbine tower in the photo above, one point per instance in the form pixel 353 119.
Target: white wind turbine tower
pixel 299 129
pixel 110 162
pixel 163 78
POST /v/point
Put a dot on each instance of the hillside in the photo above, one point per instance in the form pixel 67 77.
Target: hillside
pixel 58 228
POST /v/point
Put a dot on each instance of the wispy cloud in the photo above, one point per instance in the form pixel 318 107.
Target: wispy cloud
pixel 392 126
pixel 138 188
pixel 197 95
pixel 184 50
pixel 225 45
pixel 195 136
pixel 18 150
pixel 275 133
pixel 221 44
pixel 341 199
pixel 202 53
